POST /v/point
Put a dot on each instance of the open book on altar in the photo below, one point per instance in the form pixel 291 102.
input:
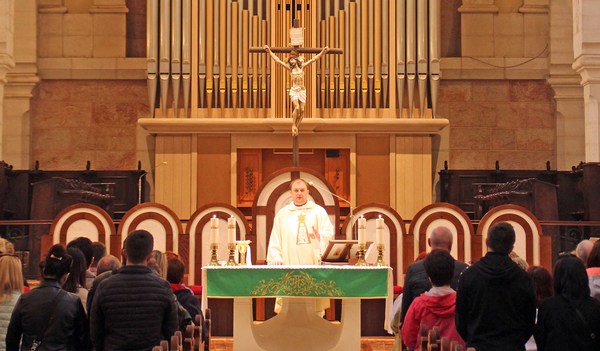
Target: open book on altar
pixel 342 251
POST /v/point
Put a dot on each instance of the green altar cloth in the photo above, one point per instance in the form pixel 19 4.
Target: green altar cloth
pixel 297 281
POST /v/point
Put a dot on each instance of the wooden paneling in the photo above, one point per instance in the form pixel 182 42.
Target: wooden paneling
pixel 413 173
pixel 174 187
pixel 373 169
pixel 214 169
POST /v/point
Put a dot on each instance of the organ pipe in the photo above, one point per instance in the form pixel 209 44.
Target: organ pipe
pixel 230 75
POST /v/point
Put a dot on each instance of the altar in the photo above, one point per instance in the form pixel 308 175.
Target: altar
pixel 297 327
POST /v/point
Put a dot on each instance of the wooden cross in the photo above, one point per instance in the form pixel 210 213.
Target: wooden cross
pixel 297 91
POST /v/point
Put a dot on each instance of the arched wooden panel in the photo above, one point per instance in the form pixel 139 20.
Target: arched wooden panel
pixel 395 236
pixel 447 215
pixel 159 220
pixel 530 243
pixel 198 230
pixel 81 220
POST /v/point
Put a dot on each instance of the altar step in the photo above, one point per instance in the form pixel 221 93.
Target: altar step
pixel 366 344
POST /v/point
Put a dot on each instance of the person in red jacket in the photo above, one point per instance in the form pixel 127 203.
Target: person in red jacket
pixel 436 306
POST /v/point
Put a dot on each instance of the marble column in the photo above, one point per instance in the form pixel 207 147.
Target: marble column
pixel 568 92
pixel 7 62
pixel 19 86
pixel 586 49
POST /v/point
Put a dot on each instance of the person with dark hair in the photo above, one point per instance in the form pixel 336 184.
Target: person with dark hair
pixel 87 248
pixel 434 308
pixel 543 287
pixel 185 296
pixel 133 309
pixel 76 279
pixel 48 316
pixel 495 301
pixel 593 270
pixel 99 250
pixel 416 281
pixel 570 320
pixel 542 283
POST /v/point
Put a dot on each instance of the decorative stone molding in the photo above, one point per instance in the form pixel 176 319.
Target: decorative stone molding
pixel 7 63
pixel 478 6
pixel 535 6
pixel 109 6
pixel 51 6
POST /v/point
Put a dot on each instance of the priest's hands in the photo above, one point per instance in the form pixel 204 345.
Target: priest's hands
pixel 315 234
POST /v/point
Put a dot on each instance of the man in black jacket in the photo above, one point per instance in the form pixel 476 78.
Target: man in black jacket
pixel 135 309
pixel 495 301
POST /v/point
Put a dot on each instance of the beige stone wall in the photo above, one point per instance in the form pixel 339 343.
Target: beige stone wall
pixel 510 121
pixel 76 121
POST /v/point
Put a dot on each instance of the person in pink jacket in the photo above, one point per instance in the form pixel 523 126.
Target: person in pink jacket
pixel 436 306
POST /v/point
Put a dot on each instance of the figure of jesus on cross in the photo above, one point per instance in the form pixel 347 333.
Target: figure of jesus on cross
pixel 295 64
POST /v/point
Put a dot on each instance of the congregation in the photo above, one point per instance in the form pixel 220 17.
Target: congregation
pixel 90 300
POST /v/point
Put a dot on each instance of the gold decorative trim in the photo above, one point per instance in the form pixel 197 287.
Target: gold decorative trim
pixel 296 283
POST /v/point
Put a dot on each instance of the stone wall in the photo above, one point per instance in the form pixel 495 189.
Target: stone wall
pixel 510 121
pixel 76 121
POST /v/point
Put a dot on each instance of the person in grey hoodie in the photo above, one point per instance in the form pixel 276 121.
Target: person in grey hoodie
pixel 495 300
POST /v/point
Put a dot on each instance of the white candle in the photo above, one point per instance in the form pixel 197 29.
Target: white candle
pixel 214 230
pixel 362 230
pixel 379 230
pixel 231 230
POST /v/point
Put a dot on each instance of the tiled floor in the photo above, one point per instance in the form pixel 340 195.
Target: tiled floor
pixel 367 344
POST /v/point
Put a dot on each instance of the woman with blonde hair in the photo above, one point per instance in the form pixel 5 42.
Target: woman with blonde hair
pixel 11 288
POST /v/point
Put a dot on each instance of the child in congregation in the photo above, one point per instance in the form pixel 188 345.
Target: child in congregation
pixel 436 306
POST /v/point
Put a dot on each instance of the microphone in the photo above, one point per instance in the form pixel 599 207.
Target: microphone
pixel 333 194
pixel 142 176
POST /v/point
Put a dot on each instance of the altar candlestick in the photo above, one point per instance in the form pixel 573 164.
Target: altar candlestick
pixel 362 230
pixel 214 230
pixel 379 231
pixel 231 230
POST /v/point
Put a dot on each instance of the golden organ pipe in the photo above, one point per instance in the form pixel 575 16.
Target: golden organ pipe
pixel 176 52
pixel 352 52
pixel 210 35
pixel 222 51
pixel 234 52
pixel 245 57
pixel 411 64
pixel 364 48
pixel 152 51
pixel 422 55
pixel 377 52
pixel 434 51
pixel 165 54
pixel 186 53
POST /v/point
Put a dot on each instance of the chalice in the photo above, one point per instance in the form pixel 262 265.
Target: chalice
pixel 242 246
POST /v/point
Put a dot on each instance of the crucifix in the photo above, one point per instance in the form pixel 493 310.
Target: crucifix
pixel 295 64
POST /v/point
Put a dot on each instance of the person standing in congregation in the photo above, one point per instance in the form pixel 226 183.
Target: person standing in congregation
pixel 495 301
pixel 417 281
pixel 134 309
pixel 301 232
pixel 435 307
pixel 593 270
pixel 11 288
pixel 570 320
pixel 48 316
